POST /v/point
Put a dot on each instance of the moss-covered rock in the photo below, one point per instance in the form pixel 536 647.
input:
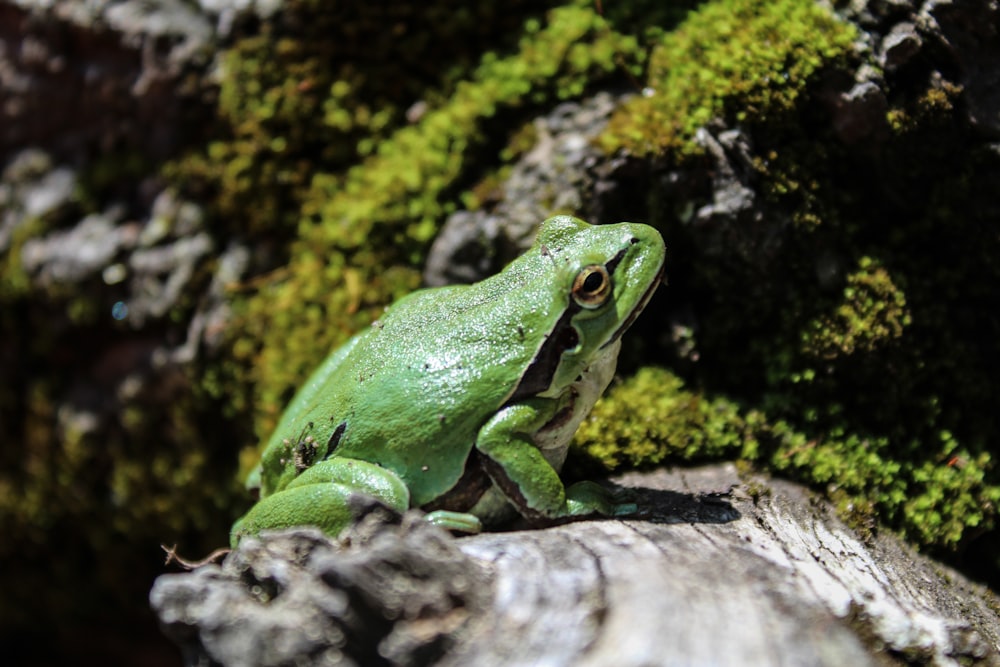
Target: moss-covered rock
pixel 741 59
pixel 833 263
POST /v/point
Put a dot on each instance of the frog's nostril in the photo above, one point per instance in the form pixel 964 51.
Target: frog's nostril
pixel 633 241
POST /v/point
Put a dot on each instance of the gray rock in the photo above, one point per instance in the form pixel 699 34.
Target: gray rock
pixel 464 250
pixel 859 113
pixel 555 176
pixel 971 30
pixel 30 189
pixel 900 45
pixel 124 85
pixel 54 190
pixel 731 195
pixel 75 254
pixel 228 11
pixel 161 275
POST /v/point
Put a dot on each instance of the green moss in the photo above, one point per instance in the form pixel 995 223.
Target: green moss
pixel 950 494
pixel 651 419
pixel 873 311
pixel 273 95
pixel 737 59
pixel 14 282
pixel 78 503
pixel 294 102
pixel 935 103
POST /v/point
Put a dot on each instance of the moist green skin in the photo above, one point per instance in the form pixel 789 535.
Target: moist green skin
pixel 462 400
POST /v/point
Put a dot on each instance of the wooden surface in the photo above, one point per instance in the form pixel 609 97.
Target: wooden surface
pixel 716 570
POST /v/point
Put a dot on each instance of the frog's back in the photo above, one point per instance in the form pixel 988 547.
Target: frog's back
pixel 413 390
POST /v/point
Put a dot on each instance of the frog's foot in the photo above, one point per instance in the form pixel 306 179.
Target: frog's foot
pixel 458 521
pixel 324 496
pixel 625 509
pixel 326 506
pixel 585 498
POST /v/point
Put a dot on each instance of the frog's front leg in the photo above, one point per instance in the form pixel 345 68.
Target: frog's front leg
pixel 319 497
pixel 520 470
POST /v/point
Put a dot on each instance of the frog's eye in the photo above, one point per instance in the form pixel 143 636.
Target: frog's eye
pixel 592 286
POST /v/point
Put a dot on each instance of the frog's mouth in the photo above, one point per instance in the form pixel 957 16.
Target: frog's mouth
pixel 638 308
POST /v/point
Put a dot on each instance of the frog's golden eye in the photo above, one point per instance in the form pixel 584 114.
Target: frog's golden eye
pixel 592 286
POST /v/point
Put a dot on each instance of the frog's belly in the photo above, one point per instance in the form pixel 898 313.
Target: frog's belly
pixel 493 508
pixel 553 439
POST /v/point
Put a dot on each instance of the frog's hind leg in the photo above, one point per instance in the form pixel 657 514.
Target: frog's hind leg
pixel 320 497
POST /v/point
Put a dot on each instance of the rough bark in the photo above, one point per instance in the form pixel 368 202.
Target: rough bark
pixel 716 569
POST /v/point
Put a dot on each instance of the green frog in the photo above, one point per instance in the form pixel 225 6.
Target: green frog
pixel 462 400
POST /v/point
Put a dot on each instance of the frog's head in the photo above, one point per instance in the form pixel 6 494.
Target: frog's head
pixel 605 275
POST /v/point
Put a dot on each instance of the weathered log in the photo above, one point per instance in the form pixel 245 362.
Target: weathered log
pixel 717 569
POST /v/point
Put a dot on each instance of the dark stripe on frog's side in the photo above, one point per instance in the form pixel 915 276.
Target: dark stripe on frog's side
pixel 334 441
pixel 613 263
pixel 467 491
pixel 564 415
pixel 538 376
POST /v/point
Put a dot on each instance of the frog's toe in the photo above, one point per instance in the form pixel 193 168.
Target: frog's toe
pixel 458 521
pixel 589 498
pixel 625 509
